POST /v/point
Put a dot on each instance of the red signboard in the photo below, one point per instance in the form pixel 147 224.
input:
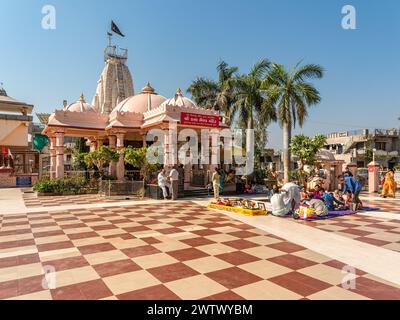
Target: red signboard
pixel 202 120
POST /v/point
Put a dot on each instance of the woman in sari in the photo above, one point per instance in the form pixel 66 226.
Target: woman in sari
pixel 390 185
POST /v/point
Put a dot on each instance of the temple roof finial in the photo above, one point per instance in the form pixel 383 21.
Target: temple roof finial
pixel 148 88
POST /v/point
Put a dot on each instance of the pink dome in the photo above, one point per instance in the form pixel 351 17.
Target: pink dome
pixel 180 101
pixel 80 106
pixel 142 102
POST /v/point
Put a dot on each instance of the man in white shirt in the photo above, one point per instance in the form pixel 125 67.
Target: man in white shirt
pixel 280 207
pixel 162 183
pixel 174 180
pixel 292 195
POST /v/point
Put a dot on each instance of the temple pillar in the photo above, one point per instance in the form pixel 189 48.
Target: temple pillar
pixel 59 155
pixel 92 144
pixel 166 149
pixel 187 175
pixel 328 173
pixel 214 159
pixel 99 143
pixel 373 177
pixel 52 157
pixel 120 164
pixel 144 135
pixel 112 168
pixel 338 172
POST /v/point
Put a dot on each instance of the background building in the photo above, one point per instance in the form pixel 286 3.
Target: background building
pixel 20 164
pixel 361 146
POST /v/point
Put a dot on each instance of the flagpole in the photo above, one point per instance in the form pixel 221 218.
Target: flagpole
pixel 109 34
pixel 2 158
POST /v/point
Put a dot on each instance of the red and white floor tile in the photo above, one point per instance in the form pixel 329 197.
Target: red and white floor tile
pixel 177 250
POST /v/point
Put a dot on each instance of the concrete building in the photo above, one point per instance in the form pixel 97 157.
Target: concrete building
pixel 361 145
pixel 19 166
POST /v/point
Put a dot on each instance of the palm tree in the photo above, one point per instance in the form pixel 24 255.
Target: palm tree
pixel 216 95
pixel 250 104
pixel 250 98
pixel 292 95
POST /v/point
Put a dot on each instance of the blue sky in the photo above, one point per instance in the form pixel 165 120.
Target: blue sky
pixel 171 42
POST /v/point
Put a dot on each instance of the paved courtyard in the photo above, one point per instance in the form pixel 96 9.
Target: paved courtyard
pixel 182 250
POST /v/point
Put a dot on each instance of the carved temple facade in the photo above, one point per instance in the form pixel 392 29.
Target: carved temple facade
pixel 118 118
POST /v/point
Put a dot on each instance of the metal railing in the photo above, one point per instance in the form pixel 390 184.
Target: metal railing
pixel 127 189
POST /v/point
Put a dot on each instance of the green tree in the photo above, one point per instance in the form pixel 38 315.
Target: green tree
pixel 250 98
pixel 217 95
pixel 137 157
pixel 78 160
pixel 291 95
pixel 101 158
pixel 79 151
pixel 306 150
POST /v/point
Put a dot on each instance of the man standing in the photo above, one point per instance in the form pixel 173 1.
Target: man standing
pixel 174 180
pixel 353 186
pixel 162 183
pixel 215 182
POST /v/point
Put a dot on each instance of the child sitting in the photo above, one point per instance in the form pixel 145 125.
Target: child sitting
pixel 348 199
pixel 303 194
pixel 338 195
pixel 248 189
pixel 317 192
pixel 331 202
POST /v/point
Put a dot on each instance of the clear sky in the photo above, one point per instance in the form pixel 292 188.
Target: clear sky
pixel 171 42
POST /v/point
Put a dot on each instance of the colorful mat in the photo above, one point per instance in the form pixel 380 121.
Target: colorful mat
pixel 331 214
pixel 369 209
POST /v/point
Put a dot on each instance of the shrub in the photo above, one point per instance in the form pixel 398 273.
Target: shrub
pixel 74 185
pixel 137 158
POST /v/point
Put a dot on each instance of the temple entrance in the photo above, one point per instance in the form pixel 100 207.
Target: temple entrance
pixel 198 177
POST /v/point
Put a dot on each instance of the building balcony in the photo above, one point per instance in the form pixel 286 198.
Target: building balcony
pixel 380 153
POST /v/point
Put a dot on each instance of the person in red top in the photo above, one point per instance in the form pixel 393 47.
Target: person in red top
pixel 317 192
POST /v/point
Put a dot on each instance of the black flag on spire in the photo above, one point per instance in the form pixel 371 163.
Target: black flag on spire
pixel 115 29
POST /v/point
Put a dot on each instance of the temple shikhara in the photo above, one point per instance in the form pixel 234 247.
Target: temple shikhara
pixel 118 117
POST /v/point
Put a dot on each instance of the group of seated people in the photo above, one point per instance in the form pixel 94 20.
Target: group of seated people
pixel 288 199
pixel 323 201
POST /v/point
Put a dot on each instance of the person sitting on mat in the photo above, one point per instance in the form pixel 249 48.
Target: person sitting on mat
pixel 317 192
pixel 303 194
pixel 348 198
pixel 279 206
pixel 318 205
pixel 338 195
pixel 331 202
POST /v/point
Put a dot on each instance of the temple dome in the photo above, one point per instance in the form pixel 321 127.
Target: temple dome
pixel 146 100
pixel 325 155
pixel 180 101
pixel 80 106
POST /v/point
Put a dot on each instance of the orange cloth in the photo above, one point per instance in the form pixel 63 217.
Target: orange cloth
pixel 390 185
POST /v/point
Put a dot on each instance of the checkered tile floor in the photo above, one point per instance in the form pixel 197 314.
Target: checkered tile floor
pixel 167 251
pixel 384 205
pixel 33 201
pixel 376 231
pixel 373 230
